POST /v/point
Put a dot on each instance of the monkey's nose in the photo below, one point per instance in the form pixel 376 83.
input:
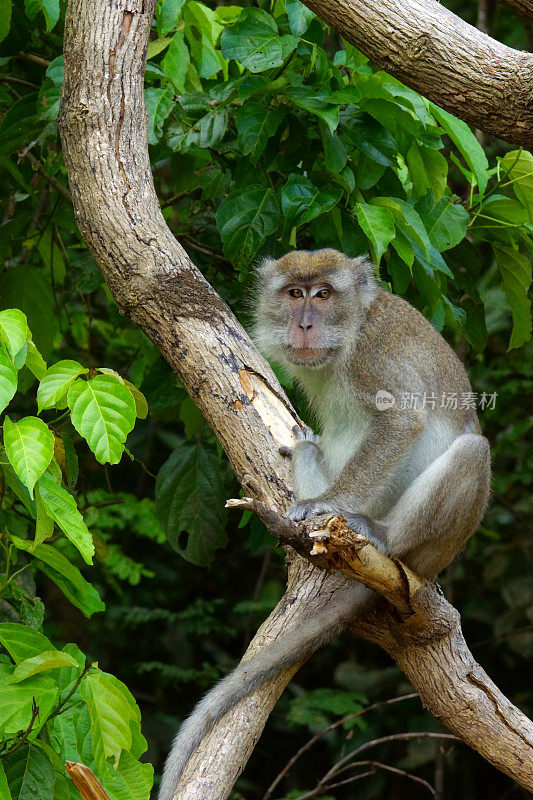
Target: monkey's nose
pixel 305 326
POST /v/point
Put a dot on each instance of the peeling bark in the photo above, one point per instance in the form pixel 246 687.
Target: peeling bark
pixel 103 129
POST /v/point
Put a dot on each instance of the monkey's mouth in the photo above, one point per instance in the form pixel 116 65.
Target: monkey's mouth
pixel 308 355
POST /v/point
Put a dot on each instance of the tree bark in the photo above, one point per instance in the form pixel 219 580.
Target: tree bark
pixel 444 58
pixel 524 7
pixel 103 129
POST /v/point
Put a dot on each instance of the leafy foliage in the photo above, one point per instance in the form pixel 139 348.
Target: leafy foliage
pixel 267 132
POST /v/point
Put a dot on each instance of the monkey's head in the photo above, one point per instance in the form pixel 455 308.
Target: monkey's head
pixel 309 305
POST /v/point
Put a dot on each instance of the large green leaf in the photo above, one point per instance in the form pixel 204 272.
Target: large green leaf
pixel 13 330
pixel 190 502
pixel 49 8
pixel 5 794
pixel 446 224
pixel 428 169
pixel 29 446
pixel 43 662
pixel 245 219
pixel 8 380
pixel 68 577
pixel 103 412
pixel 56 383
pixel 5 23
pixel 35 362
pixel 30 774
pixel 377 225
pixel 159 104
pixel 22 642
pixel 61 507
pixel 466 143
pixel 515 269
pixel 176 61
pixel 133 780
pixel 254 40
pixel 302 201
pixel 256 123
pixel 112 710
pixel 299 16
pixel 169 12
pixel 16 700
pixel 519 166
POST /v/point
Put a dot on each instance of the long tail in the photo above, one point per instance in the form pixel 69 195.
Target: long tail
pixel 247 676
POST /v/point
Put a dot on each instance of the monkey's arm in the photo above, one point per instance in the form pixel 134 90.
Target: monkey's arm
pixel 308 471
pixel 367 474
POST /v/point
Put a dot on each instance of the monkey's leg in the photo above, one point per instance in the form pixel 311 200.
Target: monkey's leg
pixel 442 507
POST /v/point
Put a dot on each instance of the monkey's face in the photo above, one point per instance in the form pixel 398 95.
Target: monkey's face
pixel 311 311
pixel 309 304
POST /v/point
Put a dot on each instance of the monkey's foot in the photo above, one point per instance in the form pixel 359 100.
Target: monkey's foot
pixel 309 508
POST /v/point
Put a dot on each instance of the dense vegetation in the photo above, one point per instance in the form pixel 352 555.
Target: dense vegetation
pixel 267 131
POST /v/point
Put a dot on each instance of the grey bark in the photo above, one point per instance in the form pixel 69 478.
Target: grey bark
pixel 103 129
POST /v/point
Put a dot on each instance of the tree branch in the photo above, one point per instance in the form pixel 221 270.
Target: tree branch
pixel 102 123
pixel 444 58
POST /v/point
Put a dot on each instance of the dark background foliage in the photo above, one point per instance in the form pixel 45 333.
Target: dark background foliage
pixel 267 131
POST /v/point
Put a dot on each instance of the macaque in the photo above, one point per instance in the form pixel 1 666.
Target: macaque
pixel 400 453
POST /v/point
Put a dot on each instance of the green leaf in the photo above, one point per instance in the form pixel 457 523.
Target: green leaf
pixel 159 104
pixel 519 166
pixel 49 8
pixel 112 709
pixel 22 642
pixel 255 42
pixel 35 362
pixel 47 660
pixel 169 15
pixel 176 61
pixel 18 125
pixel 157 46
pixel 378 226
pixel 69 579
pixel 133 781
pixel 8 380
pixel 370 138
pixel 428 169
pixel 307 98
pixel 302 201
pixel 16 701
pixel 335 155
pixel 61 507
pixel 466 143
pixel 29 446
pixel 299 16
pixel 256 123
pixel 56 383
pixel 515 269
pixel 30 774
pixel 103 412
pixel 44 525
pixel 5 24
pixel 446 224
pixel 5 794
pixel 13 330
pixel 245 219
pixel 190 502
pixel 141 404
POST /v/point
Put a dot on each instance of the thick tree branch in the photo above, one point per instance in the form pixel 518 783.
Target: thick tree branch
pixel 524 7
pixel 444 58
pixel 103 128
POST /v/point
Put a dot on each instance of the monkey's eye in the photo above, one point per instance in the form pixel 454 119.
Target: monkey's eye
pixel 323 294
pixel 295 292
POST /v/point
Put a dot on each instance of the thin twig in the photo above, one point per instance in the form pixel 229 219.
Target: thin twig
pixel 36 164
pixel 316 738
pixel 24 736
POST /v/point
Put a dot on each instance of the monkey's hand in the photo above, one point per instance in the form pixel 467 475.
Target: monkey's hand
pixel 304 437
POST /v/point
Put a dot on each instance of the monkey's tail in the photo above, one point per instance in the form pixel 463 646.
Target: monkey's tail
pixel 248 675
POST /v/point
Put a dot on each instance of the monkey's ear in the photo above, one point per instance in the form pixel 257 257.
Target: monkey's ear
pixel 266 267
pixel 365 272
